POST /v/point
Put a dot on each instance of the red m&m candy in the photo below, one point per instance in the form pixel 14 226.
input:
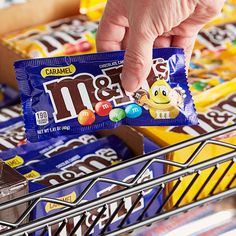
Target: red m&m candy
pixel 86 117
pixel 103 108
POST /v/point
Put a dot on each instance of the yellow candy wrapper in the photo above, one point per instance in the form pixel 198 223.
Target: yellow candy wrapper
pixel 92 8
pixel 216 109
pixel 69 36
pixel 215 37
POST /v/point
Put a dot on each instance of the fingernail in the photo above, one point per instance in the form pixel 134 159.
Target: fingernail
pixel 129 82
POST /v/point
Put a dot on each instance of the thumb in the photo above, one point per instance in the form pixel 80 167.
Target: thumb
pixel 138 60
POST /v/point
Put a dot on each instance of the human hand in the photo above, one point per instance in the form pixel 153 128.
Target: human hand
pixel 139 25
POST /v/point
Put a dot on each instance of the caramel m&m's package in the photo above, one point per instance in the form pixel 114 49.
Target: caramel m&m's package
pixel 16 158
pixel 10 112
pixel 71 95
pixel 12 134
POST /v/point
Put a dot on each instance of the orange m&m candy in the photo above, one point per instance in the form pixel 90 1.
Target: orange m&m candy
pixel 86 117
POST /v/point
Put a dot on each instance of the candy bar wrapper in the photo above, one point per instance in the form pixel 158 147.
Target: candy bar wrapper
pixel 69 36
pixel 84 160
pixel 9 113
pixel 77 154
pixel 17 151
pixel 216 109
pixel 217 37
pixel 12 134
pixel 15 158
pixel 71 95
pixel 8 96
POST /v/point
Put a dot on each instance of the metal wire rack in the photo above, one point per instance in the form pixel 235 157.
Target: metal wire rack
pixel 163 187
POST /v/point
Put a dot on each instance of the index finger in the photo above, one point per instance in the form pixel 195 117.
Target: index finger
pixel 111 30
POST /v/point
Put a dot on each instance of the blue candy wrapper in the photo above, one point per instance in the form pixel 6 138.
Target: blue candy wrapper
pixel 8 113
pixel 8 96
pixel 71 95
pixel 84 160
pixel 24 155
pixel 12 134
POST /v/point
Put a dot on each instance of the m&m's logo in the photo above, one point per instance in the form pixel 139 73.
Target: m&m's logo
pixel 84 94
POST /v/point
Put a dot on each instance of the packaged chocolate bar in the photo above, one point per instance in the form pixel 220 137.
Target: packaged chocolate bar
pixel 216 37
pixel 72 95
pixel 12 185
pixel 69 36
pixel 16 150
pixel 15 158
pixel 10 112
pixel 12 134
pixel 216 109
pixel 8 96
pixel 84 160
pixel 115 151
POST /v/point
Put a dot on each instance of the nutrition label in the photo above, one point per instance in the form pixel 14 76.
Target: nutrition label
pixel 41 117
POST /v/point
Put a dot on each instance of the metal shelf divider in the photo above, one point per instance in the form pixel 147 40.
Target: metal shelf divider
pixel 81 208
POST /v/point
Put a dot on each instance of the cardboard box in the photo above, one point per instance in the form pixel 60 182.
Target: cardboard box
pixel 25 15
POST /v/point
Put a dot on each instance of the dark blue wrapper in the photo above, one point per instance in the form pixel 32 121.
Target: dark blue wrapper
pixel 32 153
pixel 10 113
pixel 71 95
pixel 84 160
pixel 8 96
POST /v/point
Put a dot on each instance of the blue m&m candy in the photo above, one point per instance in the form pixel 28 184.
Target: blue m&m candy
pixel 133 111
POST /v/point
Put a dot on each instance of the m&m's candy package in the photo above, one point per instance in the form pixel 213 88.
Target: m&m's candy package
pixel 10 112
pixel 69 36
pixel 17 157
pixel 12 134
pixel 81 94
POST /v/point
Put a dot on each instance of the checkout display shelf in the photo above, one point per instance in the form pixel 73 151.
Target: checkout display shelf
pixel 80 208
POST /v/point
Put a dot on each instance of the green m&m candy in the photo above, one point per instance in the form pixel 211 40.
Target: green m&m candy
pixel 117 114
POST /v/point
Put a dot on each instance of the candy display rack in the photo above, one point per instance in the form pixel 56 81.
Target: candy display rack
pixel 80 208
